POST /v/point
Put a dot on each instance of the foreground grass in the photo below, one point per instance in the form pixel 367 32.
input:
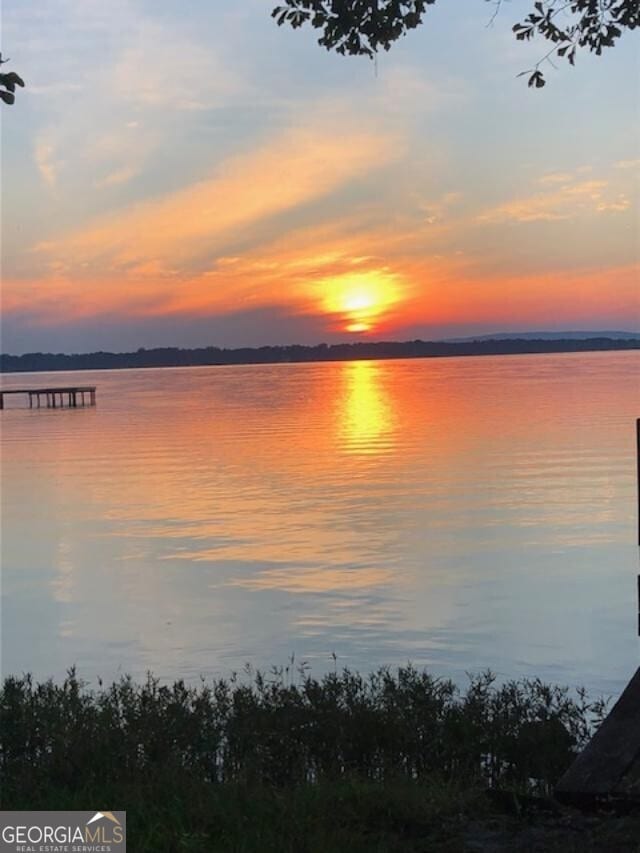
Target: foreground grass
pixel 173 814
pixel 393 761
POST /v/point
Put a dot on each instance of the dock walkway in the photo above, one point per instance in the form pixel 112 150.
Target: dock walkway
pixel 55 397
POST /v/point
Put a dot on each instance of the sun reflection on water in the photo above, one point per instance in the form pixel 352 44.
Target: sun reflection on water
pixel 367 423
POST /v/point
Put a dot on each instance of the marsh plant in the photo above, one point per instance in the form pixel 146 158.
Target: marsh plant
pixel 281 730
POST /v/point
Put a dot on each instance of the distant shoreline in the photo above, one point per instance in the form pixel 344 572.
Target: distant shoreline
pixel 297 354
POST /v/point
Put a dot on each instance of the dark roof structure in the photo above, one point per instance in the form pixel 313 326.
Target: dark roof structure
pixel 609 766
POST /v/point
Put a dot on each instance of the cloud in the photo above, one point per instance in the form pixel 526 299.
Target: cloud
pixel 120 176
pixel 119 329
pixel 571 199
pixel 439 209
pixel 171 256
pixel 616 206
pixel 43 156
pixel 107 80
pixel 446 298
pixel 163 70
pixel 292 169
pixel 555 178
pixel 52 89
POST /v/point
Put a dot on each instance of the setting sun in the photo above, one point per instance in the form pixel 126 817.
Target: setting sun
pixel 360 300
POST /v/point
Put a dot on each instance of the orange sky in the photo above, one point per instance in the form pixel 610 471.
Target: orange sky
pixel 277 204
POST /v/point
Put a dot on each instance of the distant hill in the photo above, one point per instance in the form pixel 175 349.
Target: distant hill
pixel 550 336
pixel 175 357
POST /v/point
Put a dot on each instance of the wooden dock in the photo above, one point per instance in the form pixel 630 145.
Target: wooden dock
pixel 53 398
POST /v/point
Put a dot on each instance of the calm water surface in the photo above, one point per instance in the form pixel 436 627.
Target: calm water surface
pixel 459 513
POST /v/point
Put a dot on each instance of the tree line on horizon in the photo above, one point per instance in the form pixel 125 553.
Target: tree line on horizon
pixel 295 353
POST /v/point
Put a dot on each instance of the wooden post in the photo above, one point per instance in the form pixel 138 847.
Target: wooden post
pixel 54 398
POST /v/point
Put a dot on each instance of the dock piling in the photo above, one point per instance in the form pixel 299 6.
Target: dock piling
pixel 54 398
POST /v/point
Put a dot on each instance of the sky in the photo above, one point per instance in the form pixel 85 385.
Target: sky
pixel 189 174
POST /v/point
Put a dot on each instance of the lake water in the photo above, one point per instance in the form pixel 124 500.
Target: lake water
pixel 459 513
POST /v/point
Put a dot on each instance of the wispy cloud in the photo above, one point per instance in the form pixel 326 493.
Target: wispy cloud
pixel 120 176
pixel 555 178
pixel 43 156
pixel 566 198
pixel 104 116
pixel 166 70
pixel 183 228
